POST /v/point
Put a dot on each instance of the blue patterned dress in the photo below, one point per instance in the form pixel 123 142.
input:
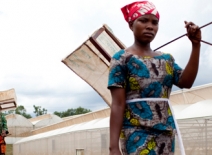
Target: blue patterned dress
pixel 148 126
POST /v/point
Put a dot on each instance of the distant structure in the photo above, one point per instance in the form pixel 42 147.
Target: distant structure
pixel 17 124
pixel 45 120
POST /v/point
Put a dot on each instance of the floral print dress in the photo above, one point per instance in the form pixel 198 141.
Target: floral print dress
pixel 148 126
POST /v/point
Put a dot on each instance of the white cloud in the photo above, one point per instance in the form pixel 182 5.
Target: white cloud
pixel 207 57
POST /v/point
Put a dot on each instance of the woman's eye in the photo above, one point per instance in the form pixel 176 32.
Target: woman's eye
pixel 155 22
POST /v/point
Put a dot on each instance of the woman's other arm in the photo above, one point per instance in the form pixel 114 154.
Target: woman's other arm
pixel 190 72
pixel 116 118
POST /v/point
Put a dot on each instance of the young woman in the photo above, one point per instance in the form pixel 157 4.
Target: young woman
pixel 140 81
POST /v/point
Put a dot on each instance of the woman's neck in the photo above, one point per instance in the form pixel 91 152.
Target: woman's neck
pixel 140 48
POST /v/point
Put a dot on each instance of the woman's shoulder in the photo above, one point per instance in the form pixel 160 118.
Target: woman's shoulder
pixel 120 54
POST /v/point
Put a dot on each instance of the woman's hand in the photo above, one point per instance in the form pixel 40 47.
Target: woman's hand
pixel 115 152
pixel 193 32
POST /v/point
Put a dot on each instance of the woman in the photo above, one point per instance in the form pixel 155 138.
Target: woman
pixel 140 81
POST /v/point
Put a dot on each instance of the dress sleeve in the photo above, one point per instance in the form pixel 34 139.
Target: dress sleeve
pixel 177 72
pixel 117 71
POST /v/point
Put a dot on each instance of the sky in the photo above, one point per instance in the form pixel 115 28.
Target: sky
pixel 36 35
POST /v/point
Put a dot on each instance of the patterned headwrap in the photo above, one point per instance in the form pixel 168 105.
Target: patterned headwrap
pixel 136 9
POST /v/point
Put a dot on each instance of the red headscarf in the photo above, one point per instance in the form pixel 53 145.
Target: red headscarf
pixel 136 9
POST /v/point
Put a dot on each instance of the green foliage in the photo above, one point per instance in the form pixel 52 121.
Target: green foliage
pixel 26 115
pixel 19 110
pixel 71 112
pixel 39 111
pixel 11 112
pixel 22 111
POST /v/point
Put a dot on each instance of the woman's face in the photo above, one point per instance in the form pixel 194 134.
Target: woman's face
pixel 145 28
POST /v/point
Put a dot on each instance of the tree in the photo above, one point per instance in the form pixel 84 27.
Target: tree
pixel 20 110
pixel 71 112
pixel 11 112
pixel 8 112
pixel 39 111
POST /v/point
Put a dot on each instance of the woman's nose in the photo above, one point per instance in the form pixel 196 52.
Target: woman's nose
pixel 149 26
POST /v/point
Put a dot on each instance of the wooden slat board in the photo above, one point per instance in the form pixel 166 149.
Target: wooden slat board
pixel 8 100
pixel 92 59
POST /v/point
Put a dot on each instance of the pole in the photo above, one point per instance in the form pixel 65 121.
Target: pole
pixel 183 36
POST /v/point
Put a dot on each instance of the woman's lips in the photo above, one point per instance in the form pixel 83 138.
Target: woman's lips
pixel 148 34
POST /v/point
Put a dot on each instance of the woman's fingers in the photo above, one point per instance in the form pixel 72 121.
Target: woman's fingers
pixel 193 32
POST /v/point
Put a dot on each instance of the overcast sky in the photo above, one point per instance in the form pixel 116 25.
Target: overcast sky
pixel 35 35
